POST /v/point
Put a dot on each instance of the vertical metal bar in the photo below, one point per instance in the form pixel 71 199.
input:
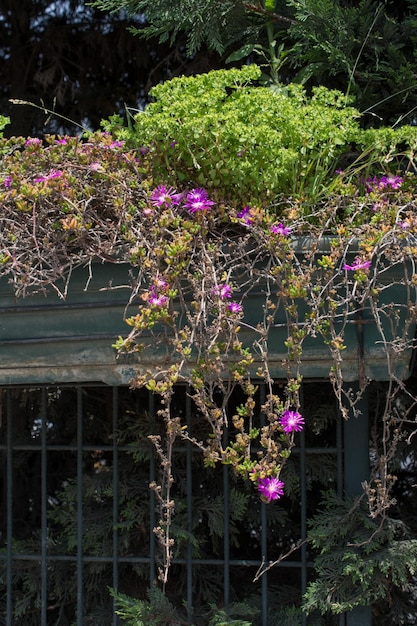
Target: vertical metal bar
pixel 226 531
pixel 189 482
pixel 9 500
pixel 356 453
pixel 339 465
pixel 115 426
pixel 79 507
pixel 303 488
pixel 339 452
pixel 264 577
pixel 264 531
pixel 356 470
pixel 44 504
pixel 152 503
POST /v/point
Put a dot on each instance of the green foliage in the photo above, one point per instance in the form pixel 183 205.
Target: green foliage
pixel 361 49
pixel 3 123
pixel 397 145
pixel 156 611
pixel 365 48
pixel 236 610
pixel 253 144
pixel 214 23
pixel 248 142
pixel 360 560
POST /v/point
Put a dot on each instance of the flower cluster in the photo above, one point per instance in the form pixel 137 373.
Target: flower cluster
pixel 224 292
pixel 194 201
pixel 384 183
pixel 157 294
pixel 52 174
pixel 98 189
pixel 280 229
pixel 358 264
pixel 271 487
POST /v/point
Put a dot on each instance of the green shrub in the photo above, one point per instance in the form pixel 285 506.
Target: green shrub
pixel 3 123
pixel 247 142
pixel 361 561
pixel 255 144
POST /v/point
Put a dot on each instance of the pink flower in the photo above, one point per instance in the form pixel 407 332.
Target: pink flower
pixel 271 488
pixel 158 300
pixel 33 141
pixel 223 291
pixel 382 183
pixel 235 307
pixel 7 181
pixel 52 174
pixel 394 182
pixel 358 265
pixel 403 224
pixel 155 297
pixel 291 421
pixel 280 229
pixel 163 196
pixel 96 167
pixel 245 216
pixel 117 144
pixel 197 200
pixel 160 283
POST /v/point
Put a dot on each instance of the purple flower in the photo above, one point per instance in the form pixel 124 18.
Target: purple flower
pixel 61 141
pixel 197 200
pixel 52 174
pixel 271 488
pixel 163 196
pixel 154 296
pixel 245 216
pixel 358 265
pixel 160 283
pixel 96 166
pixel 291 421
pixel 403 224
pixel 223 291
pixel 382 183
pixel 158 300
pixel 33 141
pixel 394 182
pixel 234 307
pixel 117 144
pixel 7 181
pixel 280 229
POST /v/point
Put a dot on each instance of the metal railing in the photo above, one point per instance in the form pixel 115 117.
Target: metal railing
pixel 56 443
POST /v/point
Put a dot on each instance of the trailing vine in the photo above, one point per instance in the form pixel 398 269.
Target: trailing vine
pixel 236 282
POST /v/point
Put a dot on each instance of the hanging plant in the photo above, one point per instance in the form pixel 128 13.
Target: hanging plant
pixel 264 228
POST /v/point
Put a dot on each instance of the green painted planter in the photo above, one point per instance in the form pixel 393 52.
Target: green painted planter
pixel 45 339
pixel 364 356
